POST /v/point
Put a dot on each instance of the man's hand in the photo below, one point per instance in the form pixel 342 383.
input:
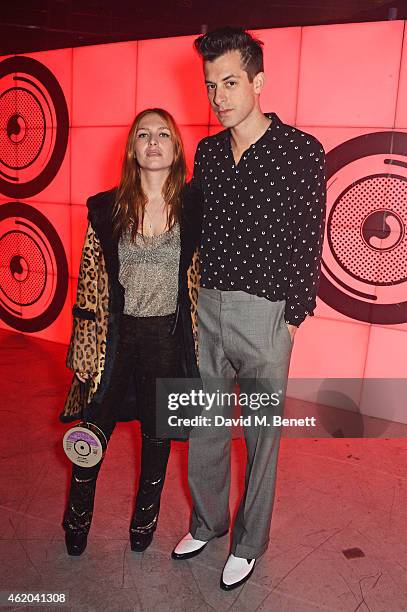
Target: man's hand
pixel 292 329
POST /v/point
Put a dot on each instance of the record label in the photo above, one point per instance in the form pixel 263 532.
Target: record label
pixel 84 444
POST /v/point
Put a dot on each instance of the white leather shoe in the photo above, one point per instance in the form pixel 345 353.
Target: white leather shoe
pixel 236 572
pixel 188 547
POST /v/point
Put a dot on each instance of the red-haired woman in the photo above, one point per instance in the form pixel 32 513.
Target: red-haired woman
pixel 132 317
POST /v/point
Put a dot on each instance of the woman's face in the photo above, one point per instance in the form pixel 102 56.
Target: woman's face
pixel 154 145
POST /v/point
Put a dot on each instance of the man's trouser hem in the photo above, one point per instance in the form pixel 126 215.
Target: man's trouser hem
pixel 200 533
pixel 248 552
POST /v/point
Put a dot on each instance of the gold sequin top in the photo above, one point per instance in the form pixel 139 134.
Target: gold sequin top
pixel 149 273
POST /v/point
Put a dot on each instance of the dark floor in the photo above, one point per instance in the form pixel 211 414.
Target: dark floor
pixel 333 495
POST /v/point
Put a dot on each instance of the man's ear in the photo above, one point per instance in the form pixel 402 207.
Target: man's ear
pixel 259 82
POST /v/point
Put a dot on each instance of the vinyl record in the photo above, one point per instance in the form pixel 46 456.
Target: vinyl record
pixel 34 127
pixel 34 269
pixel 364 271
pixel 85 444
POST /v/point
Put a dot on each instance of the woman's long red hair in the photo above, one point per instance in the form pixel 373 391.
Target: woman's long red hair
pixel 131 200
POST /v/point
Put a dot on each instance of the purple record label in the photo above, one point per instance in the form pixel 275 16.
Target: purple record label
pixel 75 436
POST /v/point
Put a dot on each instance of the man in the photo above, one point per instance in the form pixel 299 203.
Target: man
pixel 264 202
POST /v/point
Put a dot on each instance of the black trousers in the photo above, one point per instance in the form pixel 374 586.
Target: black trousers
pixel 146 351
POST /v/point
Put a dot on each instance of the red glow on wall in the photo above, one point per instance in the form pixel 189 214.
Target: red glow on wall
pixel 338 82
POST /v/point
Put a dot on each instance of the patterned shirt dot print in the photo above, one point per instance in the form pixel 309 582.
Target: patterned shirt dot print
pixel 276 194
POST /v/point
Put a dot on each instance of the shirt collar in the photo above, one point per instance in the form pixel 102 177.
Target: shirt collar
pixel 274 127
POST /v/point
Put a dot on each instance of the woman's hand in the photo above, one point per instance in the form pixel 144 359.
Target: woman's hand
pixel 82 376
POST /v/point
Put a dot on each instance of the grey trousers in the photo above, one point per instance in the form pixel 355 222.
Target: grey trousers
pixel 240 337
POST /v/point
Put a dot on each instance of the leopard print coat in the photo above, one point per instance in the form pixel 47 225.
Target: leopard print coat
pixel 100 300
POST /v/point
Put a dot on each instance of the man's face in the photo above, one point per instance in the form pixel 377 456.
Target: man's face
pixel 230 92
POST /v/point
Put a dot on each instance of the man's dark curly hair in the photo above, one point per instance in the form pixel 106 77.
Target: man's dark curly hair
pixel 212 45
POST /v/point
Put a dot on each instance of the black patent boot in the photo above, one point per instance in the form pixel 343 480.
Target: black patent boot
pixel 154 459
pixel 79 509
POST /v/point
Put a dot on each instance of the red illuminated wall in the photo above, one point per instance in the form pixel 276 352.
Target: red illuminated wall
pixel 342 83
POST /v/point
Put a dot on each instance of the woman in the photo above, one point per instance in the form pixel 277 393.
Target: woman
pixel 132 317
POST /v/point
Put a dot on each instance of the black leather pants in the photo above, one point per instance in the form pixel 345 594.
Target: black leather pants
pixel 154 459
pixel 147 351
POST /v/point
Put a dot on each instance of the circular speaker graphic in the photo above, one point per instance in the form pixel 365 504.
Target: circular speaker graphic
pixel 34 127
pixel 33 271
pixel 364 269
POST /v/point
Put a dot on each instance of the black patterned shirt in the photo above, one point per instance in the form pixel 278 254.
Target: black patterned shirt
pixel 263 218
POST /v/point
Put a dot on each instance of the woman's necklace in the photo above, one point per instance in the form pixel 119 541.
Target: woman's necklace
pixel 150 218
